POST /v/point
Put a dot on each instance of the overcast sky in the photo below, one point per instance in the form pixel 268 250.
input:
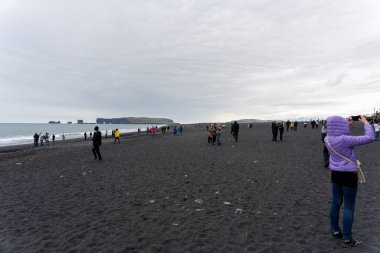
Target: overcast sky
pixel 191 61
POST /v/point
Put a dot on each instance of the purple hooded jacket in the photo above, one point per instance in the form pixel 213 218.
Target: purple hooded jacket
pixel 338 136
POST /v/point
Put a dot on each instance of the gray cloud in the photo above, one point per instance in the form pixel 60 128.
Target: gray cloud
pixel 187 60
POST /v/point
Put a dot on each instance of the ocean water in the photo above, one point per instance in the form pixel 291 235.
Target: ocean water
pixel 22 133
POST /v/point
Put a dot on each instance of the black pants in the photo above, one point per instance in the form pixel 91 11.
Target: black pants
pixel 95 150
pixel 35 143
pixel 274 132
pixel 281 133
pixel 235 135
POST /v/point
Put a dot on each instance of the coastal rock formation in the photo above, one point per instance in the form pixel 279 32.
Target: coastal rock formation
pixel 134 120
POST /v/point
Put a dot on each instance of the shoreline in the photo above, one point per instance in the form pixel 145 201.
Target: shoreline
pixel 58 143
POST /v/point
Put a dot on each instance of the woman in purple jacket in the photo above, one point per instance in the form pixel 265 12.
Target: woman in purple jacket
pixel 344 173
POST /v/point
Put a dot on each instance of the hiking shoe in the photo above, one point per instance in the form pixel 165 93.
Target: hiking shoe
pixel 337 235
pixel 351 243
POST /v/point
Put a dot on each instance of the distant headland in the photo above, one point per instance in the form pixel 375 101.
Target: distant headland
pixel 134 120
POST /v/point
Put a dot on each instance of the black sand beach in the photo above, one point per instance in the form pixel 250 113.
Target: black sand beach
pixel 179 194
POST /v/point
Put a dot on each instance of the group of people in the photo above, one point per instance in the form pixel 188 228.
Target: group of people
pixel 277 127
pixel 97 137
pixel 214 133
pixel 177 131
pixel 292 125
pixel 44 139
pixel 314 124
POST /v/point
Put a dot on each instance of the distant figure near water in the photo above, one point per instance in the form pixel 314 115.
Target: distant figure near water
pixel 35 137
pixel 97 142
pixel 117 136
pixel 41 139
pixel 85 136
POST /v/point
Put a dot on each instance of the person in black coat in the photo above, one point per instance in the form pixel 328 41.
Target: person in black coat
pixel 36 137
pixel 287 125
pixel 274 131
pixel 281 129
pixel 97 142
pixel 235 130
pixel 325 152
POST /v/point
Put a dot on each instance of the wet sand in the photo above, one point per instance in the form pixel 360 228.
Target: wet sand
pixel 180 194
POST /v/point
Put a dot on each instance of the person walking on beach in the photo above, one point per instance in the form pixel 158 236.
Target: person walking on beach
pixel 211 134
pixel 117 136
pixel 53 137
pixel 180 129
pixel 292 126
pixel 97 142
pixel 175 130
pixel 85 136
pixel 36 137
pixel 235 130
pixel 274 131
pixel 376 126
pixel 344 179
pixel 326 154
pixel 154 129
pixel 281 129
pixel 47 139
pixel 218 131
pixel 287 125
pixel 295 125
pixel 42 139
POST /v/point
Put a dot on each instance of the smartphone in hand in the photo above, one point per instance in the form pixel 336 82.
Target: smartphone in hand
pixel 355 118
